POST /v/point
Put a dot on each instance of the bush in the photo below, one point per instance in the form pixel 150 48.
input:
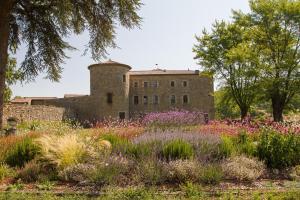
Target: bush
pixel 243 168
pixel 245 145
pixel 109 171
pixel 177 149
pixel 181 171
pixel 140 150
pixel 21 152
pixel 211 174
pixel 64 151
pixel 5 171
pixel 150 172
pixel 35 171
pixel 225 148
pixel 279 150
pixel 77 173
pixel 295 173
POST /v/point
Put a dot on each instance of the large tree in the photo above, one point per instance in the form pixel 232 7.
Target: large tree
pixel 275 30
pixel 42 26
pixel 228 54
pixel 12 76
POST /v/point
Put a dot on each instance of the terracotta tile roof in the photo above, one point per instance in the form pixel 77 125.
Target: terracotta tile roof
pixel 164 72
pixel 109 62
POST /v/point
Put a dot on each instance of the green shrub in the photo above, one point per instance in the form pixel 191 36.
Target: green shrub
pixel 225 148
pixel 5 171
pixel 245 144
pixel 139 151
pixel 130 193
pixel 211 174
pixel 191 190
pixel 279 150
pixel 177 149
pixel 21 152
pixel 119 144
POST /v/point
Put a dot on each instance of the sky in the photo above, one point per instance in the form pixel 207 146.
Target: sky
pixel 166 37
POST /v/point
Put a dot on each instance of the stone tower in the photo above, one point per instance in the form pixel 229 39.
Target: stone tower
pixel 109 88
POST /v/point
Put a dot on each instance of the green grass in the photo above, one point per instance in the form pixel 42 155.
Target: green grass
pixel 187 192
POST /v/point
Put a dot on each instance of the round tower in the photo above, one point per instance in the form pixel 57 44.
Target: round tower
pixel 109 88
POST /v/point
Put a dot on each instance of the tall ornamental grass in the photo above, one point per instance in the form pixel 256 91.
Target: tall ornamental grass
pixel 63 151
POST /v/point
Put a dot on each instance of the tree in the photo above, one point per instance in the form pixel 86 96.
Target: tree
pixel 227 53
pixel 44 24
pixel 12 76
pixel 275 30
pixel 225 106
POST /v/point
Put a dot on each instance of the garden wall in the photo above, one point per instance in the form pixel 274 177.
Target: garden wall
pixel 37 112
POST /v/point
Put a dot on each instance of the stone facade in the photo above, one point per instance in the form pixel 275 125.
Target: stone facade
pixel 36 112
pixel 117 92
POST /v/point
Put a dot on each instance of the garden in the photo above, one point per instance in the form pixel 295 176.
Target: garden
pixel 170 155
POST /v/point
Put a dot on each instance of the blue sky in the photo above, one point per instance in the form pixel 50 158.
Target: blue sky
pixel 166 38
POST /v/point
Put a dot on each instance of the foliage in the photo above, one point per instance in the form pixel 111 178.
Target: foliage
pixel 181 171
pixel 21 152
pixel 225 107
pixel 46 185
pixel 243 168
pixel 12 76
pixel 275 34
pixel 34 171
pixel 151 172
pixel 228 54
pixel 109 171
pixel 64 151
pixel 6 171
pixel 278 150
pixel 190 190
pixel 225 148
pixel 76 173
pixel 177 149
pixel 211 174
pixel 256 50
pixel 245 145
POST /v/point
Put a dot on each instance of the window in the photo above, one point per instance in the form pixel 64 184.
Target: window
pixel 145 84
pixel 136 100
pixel 172 83
pixel 136 84
pixel 121 115
pixel 109 98
pixel 124 78
pixel 185 99
pixel 145 100
pixel 173 99
pixel 184 83
pixel 155 84
pixel 155 99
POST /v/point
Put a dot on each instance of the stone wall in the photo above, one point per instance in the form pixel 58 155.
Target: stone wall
pixel 199 90
pixel 36 112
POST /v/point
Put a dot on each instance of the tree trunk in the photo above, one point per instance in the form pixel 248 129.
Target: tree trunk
pixel 277 107
pixel 5 7
pixel 244 112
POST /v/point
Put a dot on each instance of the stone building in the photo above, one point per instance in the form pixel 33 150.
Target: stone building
pixel 118 92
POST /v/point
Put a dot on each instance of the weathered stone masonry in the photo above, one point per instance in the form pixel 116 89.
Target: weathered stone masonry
pixel 118 92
